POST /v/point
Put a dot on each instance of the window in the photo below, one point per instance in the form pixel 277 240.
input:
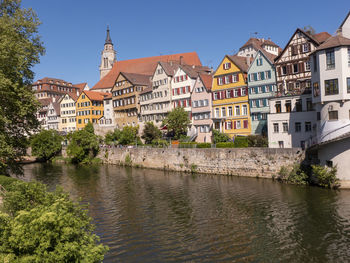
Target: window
pixel 228 94
pixel 348 84
pixel 316 89
pixel 229 125
pixel 305 47
pixel 285 126
pixel 307 126
pixel 307 66
pixel 288 105
pixel 235 93
pixel 275 128
pixel 295 68
pixel 227 65
pixel 223 112
pixel 333 115
pixel 331 87
pixel 284 70
pixel 298 105
pixel 330 59
pixel 278 106
pixel 217 112
pixel 215 95
pixel 230 111
pixel 309 104
pixel 237 111
pixel 280 144
pixel 243 92
pixel 234 78
pixel 253 103
pixel 259 62
pixel 244 110
pixel 297 127
pixel 220 81
pixel 238 124
pixel 227 79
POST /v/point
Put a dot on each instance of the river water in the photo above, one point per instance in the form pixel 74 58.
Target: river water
pixel 156 216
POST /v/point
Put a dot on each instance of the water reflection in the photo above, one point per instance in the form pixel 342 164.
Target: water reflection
pixel 157 216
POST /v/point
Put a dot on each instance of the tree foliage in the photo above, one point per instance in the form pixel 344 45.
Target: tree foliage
pixel 46 144
pixel 41 226
pixel 83 145
pixel 20 49
pixel 220 137
pixel 129 135
pixel 151 133
pixel 177 122
pixel 112 137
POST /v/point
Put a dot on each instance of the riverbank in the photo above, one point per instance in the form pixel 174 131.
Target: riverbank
pixel 248 162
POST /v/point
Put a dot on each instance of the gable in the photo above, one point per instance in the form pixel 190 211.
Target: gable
pixel 260 63
pixel 221 70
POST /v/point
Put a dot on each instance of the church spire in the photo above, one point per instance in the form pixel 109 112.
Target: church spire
pixel 108 37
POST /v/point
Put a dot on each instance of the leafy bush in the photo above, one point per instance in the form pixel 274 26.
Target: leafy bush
pixel 6 181
pixel 324 176
pixel 293 175
pixel 187 145
pixel 220 137
pixel 257 141
pixel 204 145
pixel 129 135
pixel 225 145
pixel 112 137
pixel 83 145
pixel 160 143
pixel 151 133
pixel 41 226
pixel 46 144
pixel 177 122
pixel 240 142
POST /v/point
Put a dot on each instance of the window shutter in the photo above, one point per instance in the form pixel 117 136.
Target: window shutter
pixel 309 46
pixel 269 73
pixel 183 90
pixel 239 92
pixel 255 76
pixel 225 125
pixel 189 103
pixel 256 90
pixel 262 75
pixel 279 71
pixel 301 49
pixel 223 94
pixel 231 124
pixel 223 66
pixel 231 78
pixel 217 81
pixel 234 125
pixel 237 77
pixel 173 92
pixel 186 77
pixel 249 77
pixel 245 124
pixel 301 67
pixel 231 91
pixel 185 102
pixel 178 91
pixel 224 81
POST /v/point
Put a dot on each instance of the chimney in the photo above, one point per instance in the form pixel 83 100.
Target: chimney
pixel 181 57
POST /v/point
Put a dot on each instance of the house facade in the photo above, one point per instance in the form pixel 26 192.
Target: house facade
pixel 53 88
pixel 89 108
pixel 261 88
pixel 68 113
pixel 125 95
pixel 201 108
pixel 53 115
pixel 41 115
pixel 231 113
pixel 291 122
pixel 253 45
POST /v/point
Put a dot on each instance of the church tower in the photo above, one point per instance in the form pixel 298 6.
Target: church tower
pixel 108 56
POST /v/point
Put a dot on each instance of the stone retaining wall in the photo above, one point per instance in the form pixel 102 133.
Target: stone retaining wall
pixel 253 162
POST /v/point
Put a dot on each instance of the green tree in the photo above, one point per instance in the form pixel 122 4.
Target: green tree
pixel 220 137
pixel 83 145
pixel 129 135
pixel 112 137
pixel 46 144
pixel 177 122
pixel 41 226
pixel 20 49
pixel 151 133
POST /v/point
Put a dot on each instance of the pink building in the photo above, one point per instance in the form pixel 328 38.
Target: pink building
pixel 201 107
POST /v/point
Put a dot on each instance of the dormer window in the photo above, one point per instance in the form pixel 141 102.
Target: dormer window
pixel 227 65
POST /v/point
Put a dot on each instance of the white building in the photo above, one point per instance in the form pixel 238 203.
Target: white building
pixel 251 47
pixel 53 115
pixel 331 85
pixel 291 121
pixel 108 119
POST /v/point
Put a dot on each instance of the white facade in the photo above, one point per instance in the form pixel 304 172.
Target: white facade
pixel 68 120
pixel 331 91
pixel 107 120
pixel 53 116
pixel 251 48
pixel 291 122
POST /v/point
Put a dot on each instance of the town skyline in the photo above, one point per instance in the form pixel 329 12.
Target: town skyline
pixel 78 59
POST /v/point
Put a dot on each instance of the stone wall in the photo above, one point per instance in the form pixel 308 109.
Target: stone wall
pixel 254 162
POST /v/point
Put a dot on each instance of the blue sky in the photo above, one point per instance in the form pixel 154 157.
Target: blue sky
pixel 74 31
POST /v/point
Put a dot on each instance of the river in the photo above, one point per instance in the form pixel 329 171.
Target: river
pixel 157 216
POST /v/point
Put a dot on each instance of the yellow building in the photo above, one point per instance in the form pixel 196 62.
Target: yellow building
pixel 68 113
pixel 89 107
pixel 231 113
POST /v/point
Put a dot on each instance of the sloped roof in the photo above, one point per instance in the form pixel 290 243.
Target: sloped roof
pixel 48 79
pixel 335 41
pixel 192 71
pixel 45 102
pixel 258 42
pixel 146 90
pixel 207 80
pixel 269 56
pixel 137 79
pixel 80 86
pixel 169 67
pixel 241 62
pixel 143 66
pixel 95 95
pixel 322 37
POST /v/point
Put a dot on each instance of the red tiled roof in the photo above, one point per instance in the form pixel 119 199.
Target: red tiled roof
pixel 269 56
pixel 45 102
pixel 169 67
pixel 143 66
pixel 95 95
pixel 335 41
pixel 193 71
pixel 146 90
pixel 241 62
pixel 207 80
pixel 257 43
pixel 321 37
pixel 80 86
pixel 48 79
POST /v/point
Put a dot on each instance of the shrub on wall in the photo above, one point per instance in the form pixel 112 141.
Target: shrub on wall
pixel 240 142
pixel 257 141
pixel 204 145
pixel 187 145
pixel 225 145
pixel 324 176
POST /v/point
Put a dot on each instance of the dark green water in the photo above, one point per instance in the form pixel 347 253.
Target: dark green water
pixel 156 216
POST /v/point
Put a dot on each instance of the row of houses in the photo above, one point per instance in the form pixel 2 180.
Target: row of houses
pixel 297 95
